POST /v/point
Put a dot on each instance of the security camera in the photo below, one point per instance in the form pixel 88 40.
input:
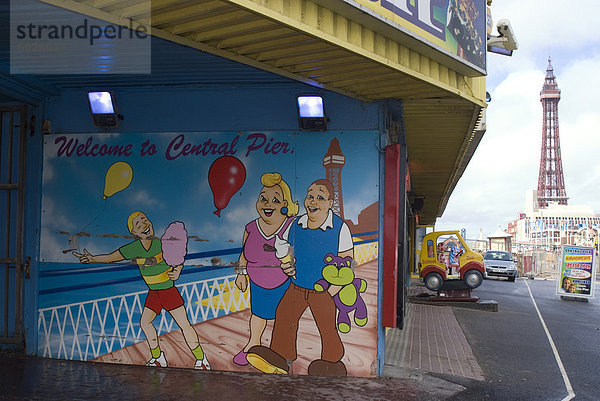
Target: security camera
pixel 505 31
pixel 506 41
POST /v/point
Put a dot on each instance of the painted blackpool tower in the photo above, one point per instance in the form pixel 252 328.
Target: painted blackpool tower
pixel 333 161
pixel 551 182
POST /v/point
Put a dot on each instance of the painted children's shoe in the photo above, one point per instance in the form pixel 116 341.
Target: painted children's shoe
pixel 160 362
pixel 266 360
pixel 240 358
pixel 202 364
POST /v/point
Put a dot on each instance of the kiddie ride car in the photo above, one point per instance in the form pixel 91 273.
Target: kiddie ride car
pixel 444 252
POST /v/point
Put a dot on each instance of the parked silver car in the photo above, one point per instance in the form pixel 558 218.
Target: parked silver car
pixel 500 264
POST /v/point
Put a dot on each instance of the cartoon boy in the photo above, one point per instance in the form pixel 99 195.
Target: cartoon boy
pixel 313 235
pixel 146 251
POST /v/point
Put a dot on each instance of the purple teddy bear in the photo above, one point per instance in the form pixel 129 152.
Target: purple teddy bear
pixel 338 271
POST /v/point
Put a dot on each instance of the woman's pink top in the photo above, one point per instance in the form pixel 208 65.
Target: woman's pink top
pixel 263 266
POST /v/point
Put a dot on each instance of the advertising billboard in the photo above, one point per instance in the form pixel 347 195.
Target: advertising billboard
pixel 576 276
pixel 456 28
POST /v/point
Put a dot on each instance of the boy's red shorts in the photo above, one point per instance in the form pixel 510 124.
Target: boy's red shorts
pixel 168 299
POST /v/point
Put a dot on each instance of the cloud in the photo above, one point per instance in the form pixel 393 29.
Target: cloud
pixel 565 31
pixel 52 250
pixel 51 218
pixel 53 223
pixel 142 198
pixel 48 174
pixel 505 165
pixel 217 230
pixel 580 160
pixel 243 213
pixel 359 201
pixel 556 24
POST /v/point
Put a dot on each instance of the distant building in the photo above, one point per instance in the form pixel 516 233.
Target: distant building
pixel 500 240
pixel 368 220
pixel 556 224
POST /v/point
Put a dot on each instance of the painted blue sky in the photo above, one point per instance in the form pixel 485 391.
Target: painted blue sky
pixel 178 189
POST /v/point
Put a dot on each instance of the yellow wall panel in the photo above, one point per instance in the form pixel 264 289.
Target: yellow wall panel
pixel 380 45
pixel 321 22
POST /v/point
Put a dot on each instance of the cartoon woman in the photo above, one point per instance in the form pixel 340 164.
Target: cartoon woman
pixel 260 265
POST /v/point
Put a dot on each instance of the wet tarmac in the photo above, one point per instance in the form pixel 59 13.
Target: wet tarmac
pixel 25 377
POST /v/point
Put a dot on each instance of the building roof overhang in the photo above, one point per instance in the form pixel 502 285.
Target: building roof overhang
pixel 337 50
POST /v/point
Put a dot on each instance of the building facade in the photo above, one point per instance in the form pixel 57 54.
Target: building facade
pixel 191 180
pixel 556 225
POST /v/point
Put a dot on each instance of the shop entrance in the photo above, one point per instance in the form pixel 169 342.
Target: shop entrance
pixel 13 267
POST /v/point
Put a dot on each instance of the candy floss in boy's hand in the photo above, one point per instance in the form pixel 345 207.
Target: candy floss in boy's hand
pixel 174 244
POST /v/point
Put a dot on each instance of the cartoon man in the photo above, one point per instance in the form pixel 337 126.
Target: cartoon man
pixel 146 251
pixel 313 235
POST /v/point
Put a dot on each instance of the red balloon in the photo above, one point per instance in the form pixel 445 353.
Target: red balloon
pixel 226 176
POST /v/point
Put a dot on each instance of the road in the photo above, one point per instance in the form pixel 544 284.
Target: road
pixel 515 353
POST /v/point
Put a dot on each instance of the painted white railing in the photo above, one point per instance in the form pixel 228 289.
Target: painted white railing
pixel 366 252
pixel 86 330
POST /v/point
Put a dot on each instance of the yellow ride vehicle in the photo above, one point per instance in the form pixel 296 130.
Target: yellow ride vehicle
pixel 445 255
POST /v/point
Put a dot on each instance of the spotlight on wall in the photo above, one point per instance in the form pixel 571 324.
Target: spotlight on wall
pixel 311 113
pixel 104 109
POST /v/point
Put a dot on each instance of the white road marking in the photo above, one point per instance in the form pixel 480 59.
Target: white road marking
pixel 571 393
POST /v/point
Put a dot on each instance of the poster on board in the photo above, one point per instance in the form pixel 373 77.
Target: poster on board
pixel 576 275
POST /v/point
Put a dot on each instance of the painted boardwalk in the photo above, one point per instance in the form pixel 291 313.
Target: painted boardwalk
pixel 223 337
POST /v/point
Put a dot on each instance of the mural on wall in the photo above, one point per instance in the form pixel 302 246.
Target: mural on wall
pixel 264 264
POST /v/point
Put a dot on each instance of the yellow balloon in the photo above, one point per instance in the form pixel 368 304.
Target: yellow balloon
pixel 118 177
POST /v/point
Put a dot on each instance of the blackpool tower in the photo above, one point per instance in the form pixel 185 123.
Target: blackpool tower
pixel 333 161
pixel 551 182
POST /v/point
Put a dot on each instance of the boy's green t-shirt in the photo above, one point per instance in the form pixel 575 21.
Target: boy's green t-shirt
pixel 154 275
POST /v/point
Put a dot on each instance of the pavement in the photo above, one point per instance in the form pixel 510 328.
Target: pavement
pixel 429 359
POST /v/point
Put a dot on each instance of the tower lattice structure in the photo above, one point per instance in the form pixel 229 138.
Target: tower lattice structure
pixel 334 161
pixel 551 182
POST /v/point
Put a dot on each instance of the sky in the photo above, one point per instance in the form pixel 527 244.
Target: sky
pixel 492 190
